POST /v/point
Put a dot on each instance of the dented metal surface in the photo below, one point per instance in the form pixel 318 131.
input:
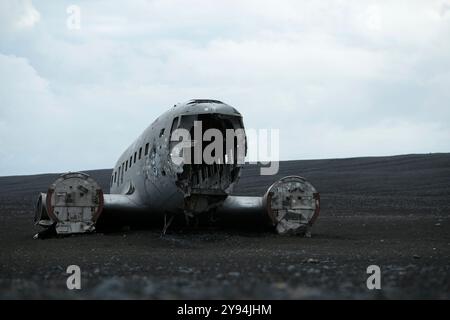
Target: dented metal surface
pixel 148 180
pixel 72 204
pixel 40 213
pixel 293 205
pixel 290 205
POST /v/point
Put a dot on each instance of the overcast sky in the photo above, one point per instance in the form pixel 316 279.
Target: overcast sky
pixel 338 78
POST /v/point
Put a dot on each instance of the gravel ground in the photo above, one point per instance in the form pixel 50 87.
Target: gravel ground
pixel 393 212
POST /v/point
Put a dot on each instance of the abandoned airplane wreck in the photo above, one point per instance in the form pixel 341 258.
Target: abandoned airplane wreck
pixel 180 171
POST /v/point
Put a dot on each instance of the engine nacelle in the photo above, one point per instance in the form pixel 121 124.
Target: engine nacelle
pixel 72 204
pixel 293 205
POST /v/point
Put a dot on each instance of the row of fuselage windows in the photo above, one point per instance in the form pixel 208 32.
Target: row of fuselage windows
pixel 117 177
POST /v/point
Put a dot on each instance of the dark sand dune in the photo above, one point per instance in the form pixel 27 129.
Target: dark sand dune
pixel 389 211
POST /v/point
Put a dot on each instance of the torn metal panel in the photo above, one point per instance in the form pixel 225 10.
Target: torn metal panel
pixel 40 213
pixel 148 183
pixel 73 203
pixel 293 205
pixel 206 185
pixel 290 205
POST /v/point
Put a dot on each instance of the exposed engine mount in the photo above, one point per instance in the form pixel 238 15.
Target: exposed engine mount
pixel 72 204
pixel 75 201
pixel 293 205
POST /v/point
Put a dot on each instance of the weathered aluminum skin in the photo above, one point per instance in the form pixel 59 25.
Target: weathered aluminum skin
pixel 72 204
pixel 293 205
pixel 150 187
pixel 152 184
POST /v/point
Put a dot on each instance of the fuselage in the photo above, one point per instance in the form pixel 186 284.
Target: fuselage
pixel 147 173
pixel 186 162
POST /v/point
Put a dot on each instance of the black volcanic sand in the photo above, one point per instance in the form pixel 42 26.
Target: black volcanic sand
pixel 393 212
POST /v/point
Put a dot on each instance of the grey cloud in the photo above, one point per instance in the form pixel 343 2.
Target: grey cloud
pixel 315 70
